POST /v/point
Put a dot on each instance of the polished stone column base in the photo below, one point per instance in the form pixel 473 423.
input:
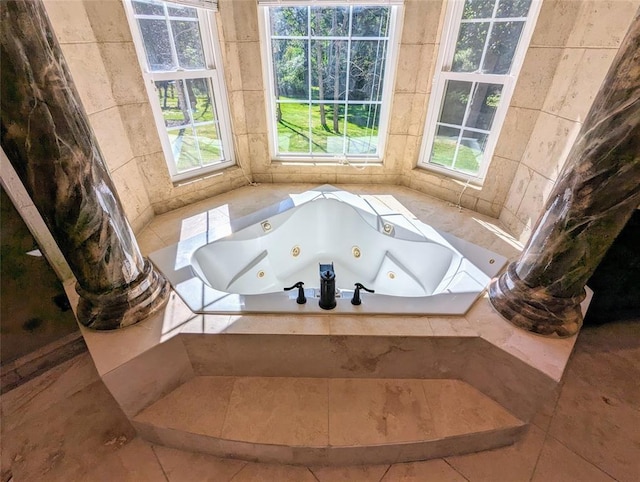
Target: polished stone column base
pixel 533 308
pixel 126 305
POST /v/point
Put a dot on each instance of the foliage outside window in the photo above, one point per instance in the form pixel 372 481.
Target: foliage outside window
pixel 327 76
pixel 475 83
pixel 179 62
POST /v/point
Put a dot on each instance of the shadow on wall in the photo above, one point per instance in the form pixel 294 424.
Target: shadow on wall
pixel 616 281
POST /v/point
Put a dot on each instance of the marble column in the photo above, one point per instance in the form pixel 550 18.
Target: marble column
pixel 46 136
pixel 593 198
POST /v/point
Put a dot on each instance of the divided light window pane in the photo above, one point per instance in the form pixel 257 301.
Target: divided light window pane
pixel 488 37
pixel 328 65
pixel 177 64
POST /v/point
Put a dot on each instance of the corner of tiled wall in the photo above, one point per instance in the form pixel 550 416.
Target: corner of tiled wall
pixel 98 49
pixel 571 51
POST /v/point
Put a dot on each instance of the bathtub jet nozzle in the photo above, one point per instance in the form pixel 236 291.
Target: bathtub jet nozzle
pixel 302 299
pixel 327 287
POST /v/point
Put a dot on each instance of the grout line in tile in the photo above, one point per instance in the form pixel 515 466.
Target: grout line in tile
pixel 239 470
pixel 454 469
pixel 583 458
pixel 153 449
pixel 313 474
pixel 236 474
pixel 226 410
pixel 328 411
pixel 385 472
pixel 535 466
pixel 428 405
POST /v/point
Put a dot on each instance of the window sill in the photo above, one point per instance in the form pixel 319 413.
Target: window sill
pixel 202 174
pixel 298 162
pixel 450 174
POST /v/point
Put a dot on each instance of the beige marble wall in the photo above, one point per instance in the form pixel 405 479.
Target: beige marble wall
pixel 573 45
pixel 97 48
pixel 238 23
pixel 571 50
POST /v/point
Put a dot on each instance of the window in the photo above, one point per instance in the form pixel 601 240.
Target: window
pixel 472 91
pixel 176 45
pixel 329 79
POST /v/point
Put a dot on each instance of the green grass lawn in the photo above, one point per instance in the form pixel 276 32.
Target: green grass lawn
pixel 195 150
pixel 444 149
pixel 206 145
pixel 294 135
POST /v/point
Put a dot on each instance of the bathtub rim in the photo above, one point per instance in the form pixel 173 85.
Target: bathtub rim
pixel 202 299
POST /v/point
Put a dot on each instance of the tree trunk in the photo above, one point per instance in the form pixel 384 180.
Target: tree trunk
pixel 336 77
pixel 320 66
pixel 182 100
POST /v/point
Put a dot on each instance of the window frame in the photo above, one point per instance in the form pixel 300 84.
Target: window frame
pixel 393 43
pixel 443 73
pixel 213 72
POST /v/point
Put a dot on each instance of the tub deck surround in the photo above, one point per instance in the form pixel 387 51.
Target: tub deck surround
pixel 484 359
pixel 244 266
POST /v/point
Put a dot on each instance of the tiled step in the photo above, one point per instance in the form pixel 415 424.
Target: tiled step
pixel 328 421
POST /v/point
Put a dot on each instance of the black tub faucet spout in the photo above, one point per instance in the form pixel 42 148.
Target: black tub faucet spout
pixel 327 287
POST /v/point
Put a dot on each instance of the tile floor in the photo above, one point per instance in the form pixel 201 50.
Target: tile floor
pixel 64 425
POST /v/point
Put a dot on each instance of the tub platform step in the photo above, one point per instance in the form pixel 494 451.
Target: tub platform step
pixel 328 421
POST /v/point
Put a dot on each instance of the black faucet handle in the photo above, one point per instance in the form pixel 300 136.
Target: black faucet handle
pixel 363 287
pixel 356 294
pixel 302 299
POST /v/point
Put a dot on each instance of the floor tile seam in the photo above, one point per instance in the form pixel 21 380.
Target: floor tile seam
pixel 328 414
pixel 155 454
pixel 166 243
pixel 226 409
pixel 386 472
pixel 313 474
pixel 429 407
pixel 244 464
pixel 152 228
pixel 535 465
pixel 593 464
pixel 444 459
pixel 238 472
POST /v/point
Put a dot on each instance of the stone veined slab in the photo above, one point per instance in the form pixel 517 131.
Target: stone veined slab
pixel 331 421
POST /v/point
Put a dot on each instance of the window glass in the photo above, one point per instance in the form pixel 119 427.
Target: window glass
pixel 180 11
pixel 513 8
pixel 469 94
pixel 186 36
pixel 178 65
pixel 502 46
pixel 478 9
pixel 155 35
pixel 328 65
pixel 470 46
pixel 289 21
pixel 144 7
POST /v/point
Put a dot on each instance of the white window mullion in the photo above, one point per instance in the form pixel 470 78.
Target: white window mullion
pixel 309 83
pixel 210 76
pixel 172 42
pixel 476 80
pixel 345 142
pixel 371 127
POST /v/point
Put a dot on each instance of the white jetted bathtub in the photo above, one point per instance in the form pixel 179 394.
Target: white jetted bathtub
pixel 411 267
